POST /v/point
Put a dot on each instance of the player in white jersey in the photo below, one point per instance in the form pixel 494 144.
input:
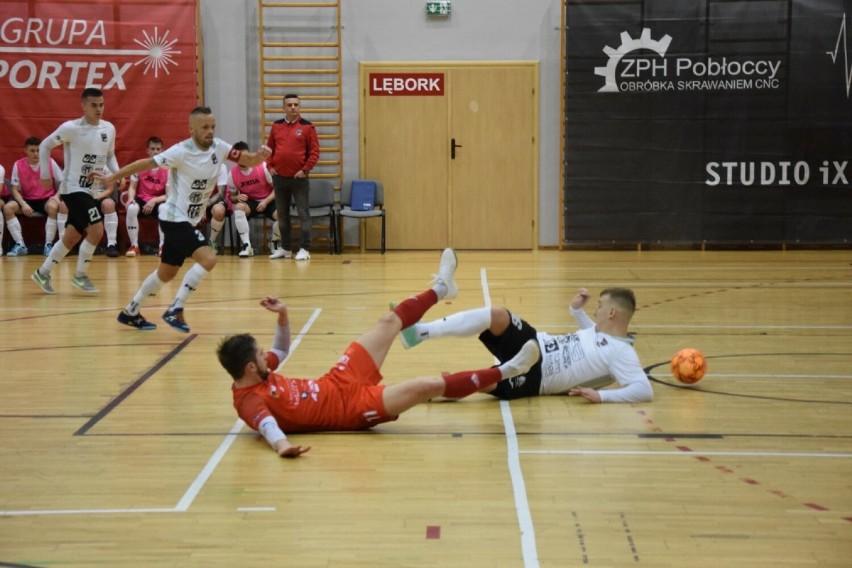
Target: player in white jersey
pixel 194 166
pixel 89 145
pixel 599 353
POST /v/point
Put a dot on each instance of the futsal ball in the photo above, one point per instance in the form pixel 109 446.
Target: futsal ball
pixel 689 365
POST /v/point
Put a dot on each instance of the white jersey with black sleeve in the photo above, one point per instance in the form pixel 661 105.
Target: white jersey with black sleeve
pixel 592 358
pixel 194 172
pixel 87 148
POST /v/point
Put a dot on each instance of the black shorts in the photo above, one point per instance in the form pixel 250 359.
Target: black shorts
pixel 83 210
pixel 154 212
pixel 253 212
pixel 181 240
pixel 38 205
pixel 506 346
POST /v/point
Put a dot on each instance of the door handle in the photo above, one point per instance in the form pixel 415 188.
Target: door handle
pixel 453 147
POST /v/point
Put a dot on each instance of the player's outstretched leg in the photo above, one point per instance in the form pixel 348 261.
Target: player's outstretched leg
pixel 447 273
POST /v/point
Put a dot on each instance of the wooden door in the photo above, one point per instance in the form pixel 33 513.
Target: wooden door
pixel 485 197
pixel 404 143
pixel 492 187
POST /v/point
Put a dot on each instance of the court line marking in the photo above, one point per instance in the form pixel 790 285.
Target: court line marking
pixel 123 395
pixel 774 376
pixel 519 488
pixel 690 453
pixel 198 483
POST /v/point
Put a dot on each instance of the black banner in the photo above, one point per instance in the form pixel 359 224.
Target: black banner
pixel 691 121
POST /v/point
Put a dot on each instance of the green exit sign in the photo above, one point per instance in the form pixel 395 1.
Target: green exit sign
pixel 438 8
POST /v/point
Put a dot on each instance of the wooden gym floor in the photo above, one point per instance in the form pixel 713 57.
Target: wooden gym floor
pixel 121 448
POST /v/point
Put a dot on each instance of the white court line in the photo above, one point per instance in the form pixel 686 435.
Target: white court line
pixel 208 469
pixel 771 376
pixel 691 453
pixel 839 265
pixel 519 488
pixel 198 483
pixel 83 512
pixel 719 326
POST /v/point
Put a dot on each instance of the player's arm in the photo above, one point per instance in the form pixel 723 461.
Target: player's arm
pixel 48 144
pixel 583 320
pixel 273 434
pixel 57 174
pixel 16 195
pixel 111 162
pixel 133 168
pixel 634 383
pixel 131 189
pixel 281 342
pixel 250 159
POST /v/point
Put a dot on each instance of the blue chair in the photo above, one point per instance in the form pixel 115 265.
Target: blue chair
pixel 378 210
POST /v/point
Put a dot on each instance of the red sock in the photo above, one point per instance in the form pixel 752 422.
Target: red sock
pixel 412 309
pixel 460 385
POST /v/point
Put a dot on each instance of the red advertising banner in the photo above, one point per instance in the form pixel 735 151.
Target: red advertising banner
pixel 141 53
pixel 406 84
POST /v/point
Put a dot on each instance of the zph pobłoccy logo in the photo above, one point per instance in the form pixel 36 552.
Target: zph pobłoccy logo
pixel 643 65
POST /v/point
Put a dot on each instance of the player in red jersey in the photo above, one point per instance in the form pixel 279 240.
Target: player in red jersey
pixel 349 396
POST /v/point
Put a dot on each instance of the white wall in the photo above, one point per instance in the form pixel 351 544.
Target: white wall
pixel 396 30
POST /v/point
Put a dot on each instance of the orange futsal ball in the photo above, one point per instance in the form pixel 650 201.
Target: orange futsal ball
pixel 689 365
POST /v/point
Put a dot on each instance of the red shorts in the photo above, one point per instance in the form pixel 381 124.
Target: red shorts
pixel 358 378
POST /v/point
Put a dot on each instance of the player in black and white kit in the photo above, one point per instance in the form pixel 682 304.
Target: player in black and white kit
pixel 89 145
pixel 599 353
pixel 194 166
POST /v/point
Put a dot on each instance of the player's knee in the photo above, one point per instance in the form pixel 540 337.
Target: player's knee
pixel 389 319
pixel 499 320
pixel 108 206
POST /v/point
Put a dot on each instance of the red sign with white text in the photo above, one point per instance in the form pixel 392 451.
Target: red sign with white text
pixel 141 53
pixel 406 84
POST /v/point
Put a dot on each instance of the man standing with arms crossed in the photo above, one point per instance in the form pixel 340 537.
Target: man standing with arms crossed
pixel 295 151
pixel 89 144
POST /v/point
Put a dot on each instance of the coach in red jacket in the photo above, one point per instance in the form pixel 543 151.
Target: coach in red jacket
pixel 295 151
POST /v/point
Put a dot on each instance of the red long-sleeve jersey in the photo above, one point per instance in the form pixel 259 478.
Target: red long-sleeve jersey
pixel 295 146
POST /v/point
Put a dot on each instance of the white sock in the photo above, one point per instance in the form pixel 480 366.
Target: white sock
pixel 58 252
pixel 276 233
pixel 2 229
pixel 61 219
pixel 149 288
pixel 111 226
pixel 49 230
pixel 14 228
pixel 133 224
pixel 87 250
pixel 460 324
pixel 241 222
pixel 190 283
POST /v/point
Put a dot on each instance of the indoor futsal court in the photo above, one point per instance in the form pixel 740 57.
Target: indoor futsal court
pixel 121 447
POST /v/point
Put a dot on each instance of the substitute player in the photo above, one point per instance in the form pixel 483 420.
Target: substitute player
pixel 146 192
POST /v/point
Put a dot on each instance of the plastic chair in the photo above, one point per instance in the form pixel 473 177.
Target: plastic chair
pixel 321 204
pixel 377 211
